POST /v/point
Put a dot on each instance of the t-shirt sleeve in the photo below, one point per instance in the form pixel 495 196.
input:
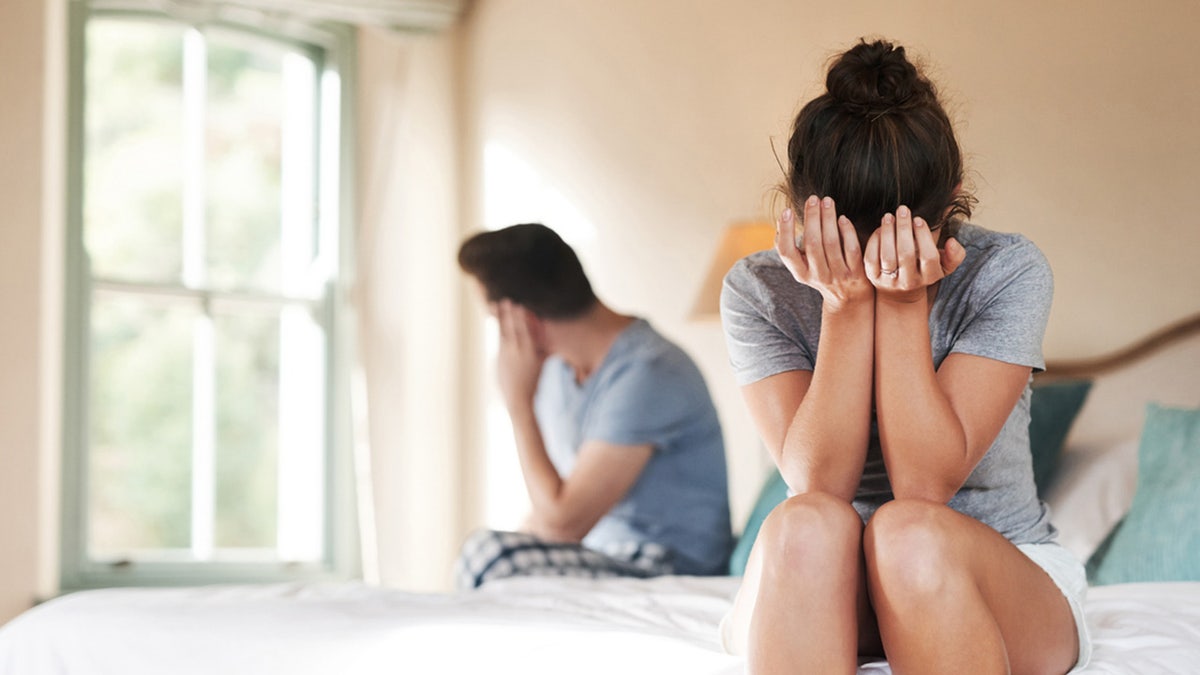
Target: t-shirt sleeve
pixel 758 347
pixel 1013 294
pixel 647 402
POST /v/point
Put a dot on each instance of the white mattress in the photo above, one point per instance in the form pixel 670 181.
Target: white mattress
pixel 527 626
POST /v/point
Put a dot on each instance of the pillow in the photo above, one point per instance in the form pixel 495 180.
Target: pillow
pixel 1092 492
pixel 1051 411
pixel 1159 539
pixel 773 491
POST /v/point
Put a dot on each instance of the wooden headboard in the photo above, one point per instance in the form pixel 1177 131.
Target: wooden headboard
pixel 1163 367
pixel 1125 357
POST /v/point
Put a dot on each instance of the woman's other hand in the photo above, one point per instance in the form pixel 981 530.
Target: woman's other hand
pixel 828 258
pixel 902 259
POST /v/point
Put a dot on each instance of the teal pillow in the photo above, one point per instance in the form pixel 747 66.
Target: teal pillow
pixel 1159 539
pixel 1052 410
pixel 773 491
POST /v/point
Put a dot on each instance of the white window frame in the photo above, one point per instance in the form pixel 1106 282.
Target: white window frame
pixel 333 45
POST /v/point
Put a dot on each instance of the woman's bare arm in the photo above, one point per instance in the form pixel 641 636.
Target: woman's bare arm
pixel 816 424
pixel 934 427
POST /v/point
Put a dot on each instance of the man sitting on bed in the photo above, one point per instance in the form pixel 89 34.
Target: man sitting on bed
pixel 617 437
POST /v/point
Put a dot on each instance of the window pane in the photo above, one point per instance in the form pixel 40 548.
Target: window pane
pixel 302 389
pixel 134 129
pixel 270 434
pixel 140 428
pixel 259 175
pixel 247 350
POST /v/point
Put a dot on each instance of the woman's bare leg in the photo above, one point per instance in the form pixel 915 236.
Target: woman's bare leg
pixel 800 604
pixel 954 596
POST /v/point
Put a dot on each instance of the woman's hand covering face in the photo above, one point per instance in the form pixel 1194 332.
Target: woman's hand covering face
pixel 902 259
pixel 827 257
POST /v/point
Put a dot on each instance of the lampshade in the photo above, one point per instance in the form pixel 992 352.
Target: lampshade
pixel 738 241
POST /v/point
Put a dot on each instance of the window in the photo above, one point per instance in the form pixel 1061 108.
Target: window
pixel 206 401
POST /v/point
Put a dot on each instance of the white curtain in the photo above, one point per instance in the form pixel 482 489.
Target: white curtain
pixel 410 304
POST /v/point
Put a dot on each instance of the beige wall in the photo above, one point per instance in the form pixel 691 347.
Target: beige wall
pixel 648 127
pixel 655 121
pixel 28 304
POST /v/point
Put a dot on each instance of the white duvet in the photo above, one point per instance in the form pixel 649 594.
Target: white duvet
pixel 526 626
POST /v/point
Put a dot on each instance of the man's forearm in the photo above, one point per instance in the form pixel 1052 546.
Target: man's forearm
pixel 542 481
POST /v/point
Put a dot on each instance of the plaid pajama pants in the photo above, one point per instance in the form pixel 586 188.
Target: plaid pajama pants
pixel 489 554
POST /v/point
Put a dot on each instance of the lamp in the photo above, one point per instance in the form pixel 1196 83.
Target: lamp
pixel 738 241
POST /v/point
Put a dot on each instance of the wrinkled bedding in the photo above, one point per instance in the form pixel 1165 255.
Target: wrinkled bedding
pixel 523 626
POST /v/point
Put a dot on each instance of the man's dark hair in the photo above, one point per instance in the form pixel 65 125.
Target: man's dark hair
pixel 530 265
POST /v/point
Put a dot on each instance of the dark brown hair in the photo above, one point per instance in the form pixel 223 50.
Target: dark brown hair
pixel 530 265
pixel 876 139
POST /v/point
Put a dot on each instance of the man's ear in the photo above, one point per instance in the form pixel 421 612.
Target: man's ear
pixel 537 326
pixel 537 329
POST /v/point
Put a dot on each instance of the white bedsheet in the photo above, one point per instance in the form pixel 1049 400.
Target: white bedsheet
pixel 526 626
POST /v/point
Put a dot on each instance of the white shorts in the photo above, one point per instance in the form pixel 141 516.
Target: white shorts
pixel 1068 574
pixel 1060 564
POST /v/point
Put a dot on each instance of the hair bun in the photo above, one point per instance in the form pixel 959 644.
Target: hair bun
pixel 876 78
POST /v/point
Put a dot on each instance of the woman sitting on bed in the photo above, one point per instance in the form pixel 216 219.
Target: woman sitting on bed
pixel 885 348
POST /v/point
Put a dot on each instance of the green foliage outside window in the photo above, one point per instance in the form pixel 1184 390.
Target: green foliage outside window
pixel 143 348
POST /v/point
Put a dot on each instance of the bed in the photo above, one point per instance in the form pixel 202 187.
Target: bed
pixel 1101 481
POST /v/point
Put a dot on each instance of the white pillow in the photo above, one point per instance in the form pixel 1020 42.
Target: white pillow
pixel 1092 492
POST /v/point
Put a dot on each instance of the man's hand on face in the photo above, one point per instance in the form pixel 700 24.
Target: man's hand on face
pixel 519 363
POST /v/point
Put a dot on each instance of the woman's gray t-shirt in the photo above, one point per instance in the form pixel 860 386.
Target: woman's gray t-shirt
pixel 995 305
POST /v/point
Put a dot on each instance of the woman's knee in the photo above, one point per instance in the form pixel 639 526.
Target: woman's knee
pixel 809 529
pixel 909 547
